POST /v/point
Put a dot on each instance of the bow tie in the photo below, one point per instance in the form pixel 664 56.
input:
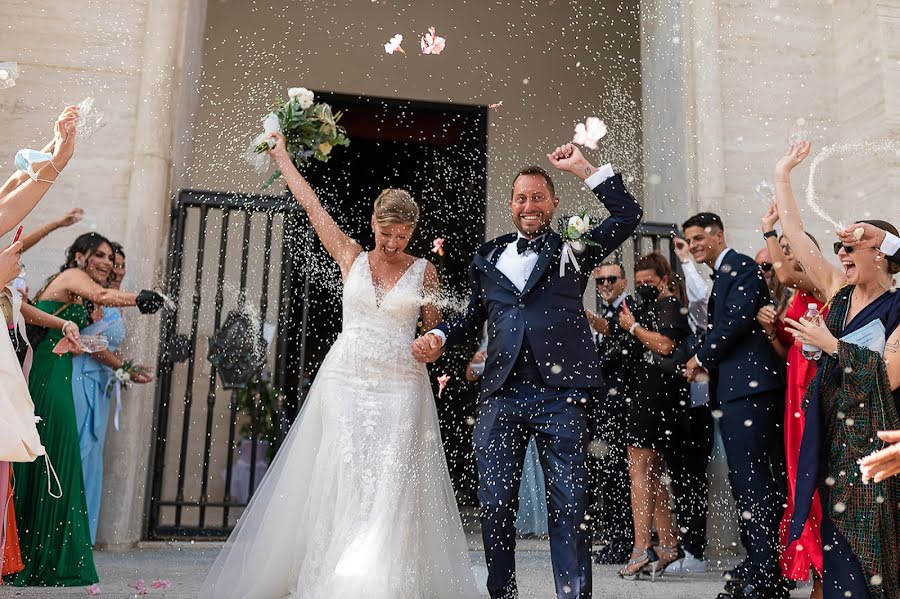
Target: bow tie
pixel 535 245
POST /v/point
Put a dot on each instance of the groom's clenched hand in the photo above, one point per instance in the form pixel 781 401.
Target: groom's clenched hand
pixel 569 158
pixel 427 348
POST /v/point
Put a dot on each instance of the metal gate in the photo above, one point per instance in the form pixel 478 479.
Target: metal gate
pixel 228 255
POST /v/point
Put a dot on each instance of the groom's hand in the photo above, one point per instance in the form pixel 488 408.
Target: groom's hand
pixel 569 158
pixel 427 348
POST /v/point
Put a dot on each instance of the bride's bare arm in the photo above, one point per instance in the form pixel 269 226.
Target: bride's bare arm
pixel 431 314
pixel 339 245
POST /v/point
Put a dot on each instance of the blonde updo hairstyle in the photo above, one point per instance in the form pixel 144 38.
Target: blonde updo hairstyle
pixel 395 207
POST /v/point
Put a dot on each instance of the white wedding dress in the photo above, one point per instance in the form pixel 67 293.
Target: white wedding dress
pixel 358 502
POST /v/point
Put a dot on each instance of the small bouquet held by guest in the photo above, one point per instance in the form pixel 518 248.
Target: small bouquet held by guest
pixel 310 130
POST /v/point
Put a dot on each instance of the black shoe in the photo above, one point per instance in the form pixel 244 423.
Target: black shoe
pixel 616 552
pixel 736 578
pixel 758 591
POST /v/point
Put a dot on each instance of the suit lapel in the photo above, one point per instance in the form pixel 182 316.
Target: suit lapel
pixel 485 266
pixel 551 245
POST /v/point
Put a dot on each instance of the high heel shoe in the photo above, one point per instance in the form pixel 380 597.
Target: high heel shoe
pixel 640 560
pixel 670 555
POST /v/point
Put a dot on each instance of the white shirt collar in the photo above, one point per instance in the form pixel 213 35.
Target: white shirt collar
pixel 618 301
pixel 720 258
pixel 520 236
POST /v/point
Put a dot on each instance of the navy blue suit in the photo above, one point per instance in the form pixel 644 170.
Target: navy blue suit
pixel 746 384
pixel 541 367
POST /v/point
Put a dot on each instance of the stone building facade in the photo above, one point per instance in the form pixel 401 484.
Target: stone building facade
pixel 699 96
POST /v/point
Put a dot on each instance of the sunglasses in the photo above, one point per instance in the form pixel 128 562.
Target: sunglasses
pixel 765 266
pixel 838 245
pixel 607 280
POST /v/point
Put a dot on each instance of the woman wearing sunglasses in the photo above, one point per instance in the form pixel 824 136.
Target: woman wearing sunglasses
pixel 854 395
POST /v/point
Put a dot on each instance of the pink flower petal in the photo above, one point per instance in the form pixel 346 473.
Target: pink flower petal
pixel 496 105
pixel 93 590
pixel 437 246
pixel 162 584
pixel 393 44
pixel 432 43
pixel 589 133
pixel 442 383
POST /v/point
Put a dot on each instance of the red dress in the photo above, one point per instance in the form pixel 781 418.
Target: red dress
pixel 806 552
pixel 12 558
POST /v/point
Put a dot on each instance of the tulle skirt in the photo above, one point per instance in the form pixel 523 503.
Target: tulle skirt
pixel 358 501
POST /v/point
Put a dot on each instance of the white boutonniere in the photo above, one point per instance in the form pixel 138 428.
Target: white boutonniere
pixel 574 241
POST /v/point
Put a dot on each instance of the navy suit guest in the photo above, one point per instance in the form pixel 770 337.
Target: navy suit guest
pixel 612 487
pixel 541 367
pixel 747 386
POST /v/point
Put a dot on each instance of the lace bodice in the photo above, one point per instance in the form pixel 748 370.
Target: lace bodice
pixel 379 327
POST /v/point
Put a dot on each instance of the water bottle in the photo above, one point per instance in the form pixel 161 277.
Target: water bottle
pixel 811 352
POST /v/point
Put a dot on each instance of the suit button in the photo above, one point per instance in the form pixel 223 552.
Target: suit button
pixel 521 304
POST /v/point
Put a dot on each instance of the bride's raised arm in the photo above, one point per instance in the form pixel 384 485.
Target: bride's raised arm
pixel 339 245
pixel 824 275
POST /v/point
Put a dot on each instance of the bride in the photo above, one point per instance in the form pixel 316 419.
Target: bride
pixel 358 501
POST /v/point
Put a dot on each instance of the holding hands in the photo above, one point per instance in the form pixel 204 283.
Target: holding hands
pixel 427 348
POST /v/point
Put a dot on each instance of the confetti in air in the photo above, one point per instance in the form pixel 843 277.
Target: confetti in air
pixel 590 133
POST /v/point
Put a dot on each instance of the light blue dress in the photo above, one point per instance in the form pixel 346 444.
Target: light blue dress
pixel 92 384
pixel 532 517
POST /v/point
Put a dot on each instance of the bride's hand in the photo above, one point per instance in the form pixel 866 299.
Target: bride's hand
pixel 278 152
pixel 427 348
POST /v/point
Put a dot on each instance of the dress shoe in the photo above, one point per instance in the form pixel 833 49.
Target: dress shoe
pixel 614 553
pixel 758 591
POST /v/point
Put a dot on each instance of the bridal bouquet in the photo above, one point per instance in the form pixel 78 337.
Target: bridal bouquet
pixel 310 130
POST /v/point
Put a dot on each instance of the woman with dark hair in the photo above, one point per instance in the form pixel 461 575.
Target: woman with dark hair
pixel 95 377
pixel 653 399
pixel 805 554
pixel 53 530
pixel 855 393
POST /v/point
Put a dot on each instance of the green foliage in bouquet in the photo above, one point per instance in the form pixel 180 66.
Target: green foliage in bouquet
pixel 260 402
pixel 311 132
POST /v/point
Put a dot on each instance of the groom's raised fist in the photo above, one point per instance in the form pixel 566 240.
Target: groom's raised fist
pixel 568 157
pixel 427 348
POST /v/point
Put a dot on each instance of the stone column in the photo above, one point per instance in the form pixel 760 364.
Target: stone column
pixel 171 44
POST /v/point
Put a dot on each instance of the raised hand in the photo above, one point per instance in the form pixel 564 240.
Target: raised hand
pixel 795 154
pixel 64 137
pixel 279 150
pixel 682 250
pixel 71 217
pixel 626 318
pixel 771 217
pixel 872 236
pixel 427 348
pixel 569 158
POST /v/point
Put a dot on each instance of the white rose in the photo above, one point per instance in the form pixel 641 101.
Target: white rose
pixel 271 124
pixel 303 96
pixel 579 224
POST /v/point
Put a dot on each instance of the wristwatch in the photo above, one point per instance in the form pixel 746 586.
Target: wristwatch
pixel 772 233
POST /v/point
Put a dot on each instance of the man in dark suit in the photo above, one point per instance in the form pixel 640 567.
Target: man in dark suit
pixel 541 366
pixel 611 485
pixel 747 388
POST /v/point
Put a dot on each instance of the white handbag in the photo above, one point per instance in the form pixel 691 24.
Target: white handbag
pixel 19 439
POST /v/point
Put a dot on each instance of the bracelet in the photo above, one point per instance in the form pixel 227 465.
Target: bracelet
pixel 772 233
pixel 632 328
pixel 66 324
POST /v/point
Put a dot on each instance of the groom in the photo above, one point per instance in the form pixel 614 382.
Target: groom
pixel 541 366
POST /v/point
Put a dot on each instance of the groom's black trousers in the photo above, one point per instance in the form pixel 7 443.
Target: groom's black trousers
pixel 558 420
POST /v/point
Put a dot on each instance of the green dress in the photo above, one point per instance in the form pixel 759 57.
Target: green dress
pixel 54 533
